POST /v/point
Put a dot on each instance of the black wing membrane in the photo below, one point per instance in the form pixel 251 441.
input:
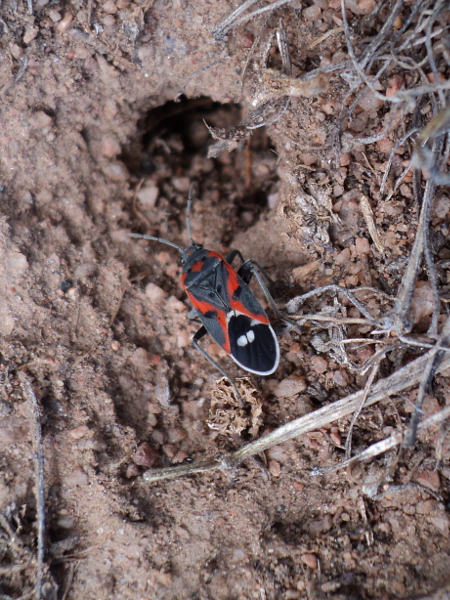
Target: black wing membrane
pixel 254 345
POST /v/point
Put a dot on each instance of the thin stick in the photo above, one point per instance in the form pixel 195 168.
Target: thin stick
pixel 434 357
pixel 399 142
pixel 293 305
pixel 399 318
pixel 367 213
pixel 232 20
pixel 395 439
pixel 39 480
pixel 227 23
pixel 366 391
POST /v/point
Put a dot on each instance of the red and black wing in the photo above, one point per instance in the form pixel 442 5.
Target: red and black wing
pixel 231 313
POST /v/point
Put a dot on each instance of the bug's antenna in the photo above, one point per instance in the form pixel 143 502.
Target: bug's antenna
pixel 188 214
pixel 156 239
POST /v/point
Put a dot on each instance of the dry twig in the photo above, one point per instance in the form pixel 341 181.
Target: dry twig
pixel 235 19
pixel 39 476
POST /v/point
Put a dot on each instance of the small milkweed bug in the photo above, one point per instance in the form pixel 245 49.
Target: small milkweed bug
pixel 225 305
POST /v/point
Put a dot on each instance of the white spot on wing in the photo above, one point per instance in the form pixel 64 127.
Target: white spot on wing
pixel 245 339
pixel 242 341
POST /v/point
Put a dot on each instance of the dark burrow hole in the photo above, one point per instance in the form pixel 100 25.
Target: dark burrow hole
pixel 172 144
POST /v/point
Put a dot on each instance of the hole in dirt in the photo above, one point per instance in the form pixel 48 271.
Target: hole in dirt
pixel 170 151
pixel 178 129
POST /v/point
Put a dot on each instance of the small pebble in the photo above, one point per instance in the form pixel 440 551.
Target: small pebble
pixel 79 432
pixel 274 468
pixel 369 102
pixel 174 304
pixel 154 293
pixel 18 262
pixel 311 13
pixel 183 338
pixel 341 378
pixel 344 160
pixel 343 257
pixel 116 171
pixel 145 455
pixel 430 479
pixel 247 40
pixel 426 507
pixel 180 457
pixel 385 146
pixel 181 184
pixel 366 6
pixel 148 196
pixel 109 7
pixel 336 438
pixel 16 51
pixel 76 478
pixel 320 526
pixel 40 119
pixel 54 15
pixel 65 23
pixel 175 435
pixel 110 147
pixel 132 471
pixel 395 84
pixel 290 387
pixel 441 207
pixel 66 522
pixel 310 560
pixel 119 236
pixel 362 246
pixel 169 450
pixel 319 364
pixel 277 453
pixel 108 20
pixel 30 34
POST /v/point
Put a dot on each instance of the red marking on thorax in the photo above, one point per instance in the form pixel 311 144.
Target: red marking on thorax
pixel 198 266
pixel 215 255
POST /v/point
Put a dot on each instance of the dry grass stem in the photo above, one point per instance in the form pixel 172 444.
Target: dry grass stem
pixel 39 481
pixel 393 440
pixel 371 227
pixel 235 19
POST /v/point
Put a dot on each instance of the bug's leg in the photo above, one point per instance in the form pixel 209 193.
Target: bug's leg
pixel 193 315
pixel 249 268
pixel 198 336
pixel 245 273
pixel 232 255
pixel 246 270
pixel 253 267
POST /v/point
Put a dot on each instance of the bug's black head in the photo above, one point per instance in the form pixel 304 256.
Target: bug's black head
pixel 189 251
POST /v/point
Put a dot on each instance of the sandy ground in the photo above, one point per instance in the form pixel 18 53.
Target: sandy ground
pixel 101 134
